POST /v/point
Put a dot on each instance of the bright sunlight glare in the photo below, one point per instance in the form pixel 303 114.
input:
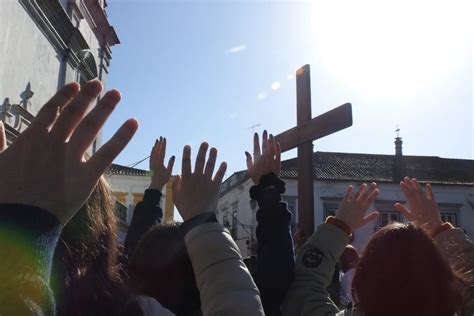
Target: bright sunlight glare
pixel 380 46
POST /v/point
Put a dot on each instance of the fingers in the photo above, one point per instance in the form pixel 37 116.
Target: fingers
pixel 169 168
pixel 265 143
pixel 211 162
pixel 186 162
pixel 278 155
pixel 75 109
pixel 107 153
pixel 361 191
pixel 370 217
pixel 176 185
pixel 429 192
pixel 371 194
pixel 220 173
pixel 201 158
pixel 48 113
pixel 256 147
pixel 249 160
pixel 405 211
pixel 3 137
pixel 161 150
pixel 90 126
pixel 271 148
pixel 348 194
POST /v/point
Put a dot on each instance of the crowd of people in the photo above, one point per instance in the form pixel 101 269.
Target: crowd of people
pixel 61 254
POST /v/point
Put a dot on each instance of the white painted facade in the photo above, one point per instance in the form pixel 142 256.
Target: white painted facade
pixel 455 201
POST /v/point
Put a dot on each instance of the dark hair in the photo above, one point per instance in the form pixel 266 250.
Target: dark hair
pixel 402 272
pixel 160 267
pixel 85 275
pixel 349 258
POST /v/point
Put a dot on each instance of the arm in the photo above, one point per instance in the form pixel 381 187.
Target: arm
pixel 45 180
pixel 28 239
pixel 315 262
pixel 148 212
pixel 224 283
pixel 313 273
pixel 275 254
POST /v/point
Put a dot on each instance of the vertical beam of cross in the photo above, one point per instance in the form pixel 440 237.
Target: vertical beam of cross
pixel 305 153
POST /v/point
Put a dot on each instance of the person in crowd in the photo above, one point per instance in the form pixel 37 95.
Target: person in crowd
pixel 161 268
pixel 347 263
pixel 402 270
pixel 275 254
pixel 224 283
pixel 86 278
pixel 148 212
pixel 45 182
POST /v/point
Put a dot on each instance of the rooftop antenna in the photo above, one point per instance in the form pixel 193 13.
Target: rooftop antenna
pixel 253 127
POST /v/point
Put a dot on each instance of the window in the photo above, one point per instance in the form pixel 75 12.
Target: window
pixel 330 209
pixel 386 218
pixel 451 217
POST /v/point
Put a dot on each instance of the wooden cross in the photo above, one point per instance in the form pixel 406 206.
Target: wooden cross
pixel 302 136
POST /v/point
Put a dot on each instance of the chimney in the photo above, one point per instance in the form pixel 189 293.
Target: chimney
pixel 398 146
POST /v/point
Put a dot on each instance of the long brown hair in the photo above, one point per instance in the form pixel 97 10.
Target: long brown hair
pixel 85 275
pixel 402 272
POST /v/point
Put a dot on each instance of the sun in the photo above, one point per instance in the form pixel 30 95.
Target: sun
pixel 398 46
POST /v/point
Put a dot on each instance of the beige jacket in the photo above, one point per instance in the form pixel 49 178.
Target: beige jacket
pixel 225 285
pixel 315 266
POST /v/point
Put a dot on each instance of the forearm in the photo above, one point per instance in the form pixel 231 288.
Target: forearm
pixel 313 272
pixel 28 239
pixel 275 254
pixel 147 213
pixel 214 254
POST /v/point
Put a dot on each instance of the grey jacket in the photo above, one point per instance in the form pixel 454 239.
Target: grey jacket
pixel 315 266
pixel 225 285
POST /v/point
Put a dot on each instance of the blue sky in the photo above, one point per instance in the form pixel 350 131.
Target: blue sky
pixel 208 70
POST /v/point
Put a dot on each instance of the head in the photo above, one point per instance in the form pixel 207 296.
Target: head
pixel 349 259
pixel 161 268
pixel 86 254
pixel 401 272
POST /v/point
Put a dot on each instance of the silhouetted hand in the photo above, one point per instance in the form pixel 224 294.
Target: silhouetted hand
pixel 265 161
pixel 423 210
pixel 197 193
pixel 160 174
pixel 45 166
pixel 354 206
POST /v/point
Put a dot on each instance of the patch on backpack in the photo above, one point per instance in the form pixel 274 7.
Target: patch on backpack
pixel 312 258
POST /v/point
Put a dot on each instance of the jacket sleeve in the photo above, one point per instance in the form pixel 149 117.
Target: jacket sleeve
pixel 275 254
pixel 224 283
pixel 147 213
pixel 313 273
pixel 28 237
pixel 458 250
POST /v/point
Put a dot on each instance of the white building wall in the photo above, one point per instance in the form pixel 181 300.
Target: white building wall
pixel 26 55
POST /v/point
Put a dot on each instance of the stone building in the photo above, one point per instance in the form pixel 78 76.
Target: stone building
pixel 452 180
pixel 45 44
pixel 129 184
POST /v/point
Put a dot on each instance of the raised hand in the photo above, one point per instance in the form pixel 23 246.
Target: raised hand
pixel 423 210
pixel 160 174
pixel 354 206
pixel 197 192
pixel 266 160
pixel 45 166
